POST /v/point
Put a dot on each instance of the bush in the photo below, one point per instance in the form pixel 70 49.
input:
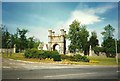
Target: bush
pixel 41 54
pixel 79 58
pixel 76 58
pixel 64 57
pixel 67 57
pixel 56 57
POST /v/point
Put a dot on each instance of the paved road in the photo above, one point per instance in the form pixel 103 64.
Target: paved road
pixel 27 70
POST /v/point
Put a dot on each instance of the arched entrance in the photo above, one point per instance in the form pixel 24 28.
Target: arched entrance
pixel 56 47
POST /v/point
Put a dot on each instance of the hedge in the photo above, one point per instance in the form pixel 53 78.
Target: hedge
pixel 76 58
pixel 42 54
pixel 79 58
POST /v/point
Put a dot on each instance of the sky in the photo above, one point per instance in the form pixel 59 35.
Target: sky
pixel 39 17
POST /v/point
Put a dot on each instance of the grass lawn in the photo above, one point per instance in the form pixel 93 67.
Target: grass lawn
pixel 94 60
pixel 102 60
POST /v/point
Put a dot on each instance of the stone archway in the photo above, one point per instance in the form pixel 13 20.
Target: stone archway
pixel 56 47
pixel 57 40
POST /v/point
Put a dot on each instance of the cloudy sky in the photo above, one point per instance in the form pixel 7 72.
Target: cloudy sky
pixel 38 17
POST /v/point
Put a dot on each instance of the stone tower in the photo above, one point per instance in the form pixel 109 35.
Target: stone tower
pixel 57 40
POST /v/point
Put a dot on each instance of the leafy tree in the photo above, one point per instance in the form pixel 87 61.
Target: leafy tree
pixel 83 40
pixel 93 40
pixel 98 49
pixel 109 42
pixel 78 35
pixel 73 35
pixel 22 39
pixel 30 41
pixel 19 39
pixel 5 37
pixel 108 32
pixel 33 42
pixel 109 47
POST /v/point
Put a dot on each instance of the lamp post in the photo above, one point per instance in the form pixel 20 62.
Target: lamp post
pixel 116 51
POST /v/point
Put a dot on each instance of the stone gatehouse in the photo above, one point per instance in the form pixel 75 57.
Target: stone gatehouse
pixel 55 40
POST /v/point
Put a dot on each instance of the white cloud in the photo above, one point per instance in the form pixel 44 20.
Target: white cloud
pixel 99 9
pixel 88 15
pixel 103 9
pixel 83 17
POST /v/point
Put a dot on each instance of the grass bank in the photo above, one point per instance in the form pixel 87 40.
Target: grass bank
pixel 94 60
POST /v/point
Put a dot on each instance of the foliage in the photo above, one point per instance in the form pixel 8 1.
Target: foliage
pixel 108 32
pixel 42 54
pixel 118 46
pixel 79 58
pixel 73 35
pixel 78 36
pixel 84 44
pixel 109 47
pixel 22 39
pixel 76 58
pixel 97 50
pixel 93 40
pixel 63 57
pixel 56 57
pixel 109 42
pixel 6 42
pixel 19 39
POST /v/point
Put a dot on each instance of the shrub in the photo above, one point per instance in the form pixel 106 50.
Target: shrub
pixel 79 58
pixel 56 57
pixel 67 57
pixel 64 57
pixel 76 58
pixel 41 54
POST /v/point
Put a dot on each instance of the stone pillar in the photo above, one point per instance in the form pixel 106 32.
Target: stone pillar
pixel 14 49
pixel 62 40
pixel 62 31
pixel 50 40
pixel 90 51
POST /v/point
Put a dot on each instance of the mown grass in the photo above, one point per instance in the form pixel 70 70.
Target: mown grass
pixel 94 60
pixel 102 60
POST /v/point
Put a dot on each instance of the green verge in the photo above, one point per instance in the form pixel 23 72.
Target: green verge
pixel 94 60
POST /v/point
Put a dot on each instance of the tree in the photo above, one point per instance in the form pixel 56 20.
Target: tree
pixel 33 43
pixel 93 39
pixel 6 37
pixel 108 32
pixel 30 41
pixel 83 40
pixel 19 39
pixel 108 41
pixel 73 35
pixel 78 36
pixel 109 47
pixel 22 40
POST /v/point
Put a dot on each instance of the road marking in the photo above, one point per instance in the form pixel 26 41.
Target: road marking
pixel 22 64
pixel 12 63
pixel 118 71
pixel 68 75
pixel 6 67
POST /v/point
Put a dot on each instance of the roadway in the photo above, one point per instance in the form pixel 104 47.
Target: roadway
pixel 13 69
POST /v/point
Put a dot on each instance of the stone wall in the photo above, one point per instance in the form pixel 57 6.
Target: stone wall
pixel 11 50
